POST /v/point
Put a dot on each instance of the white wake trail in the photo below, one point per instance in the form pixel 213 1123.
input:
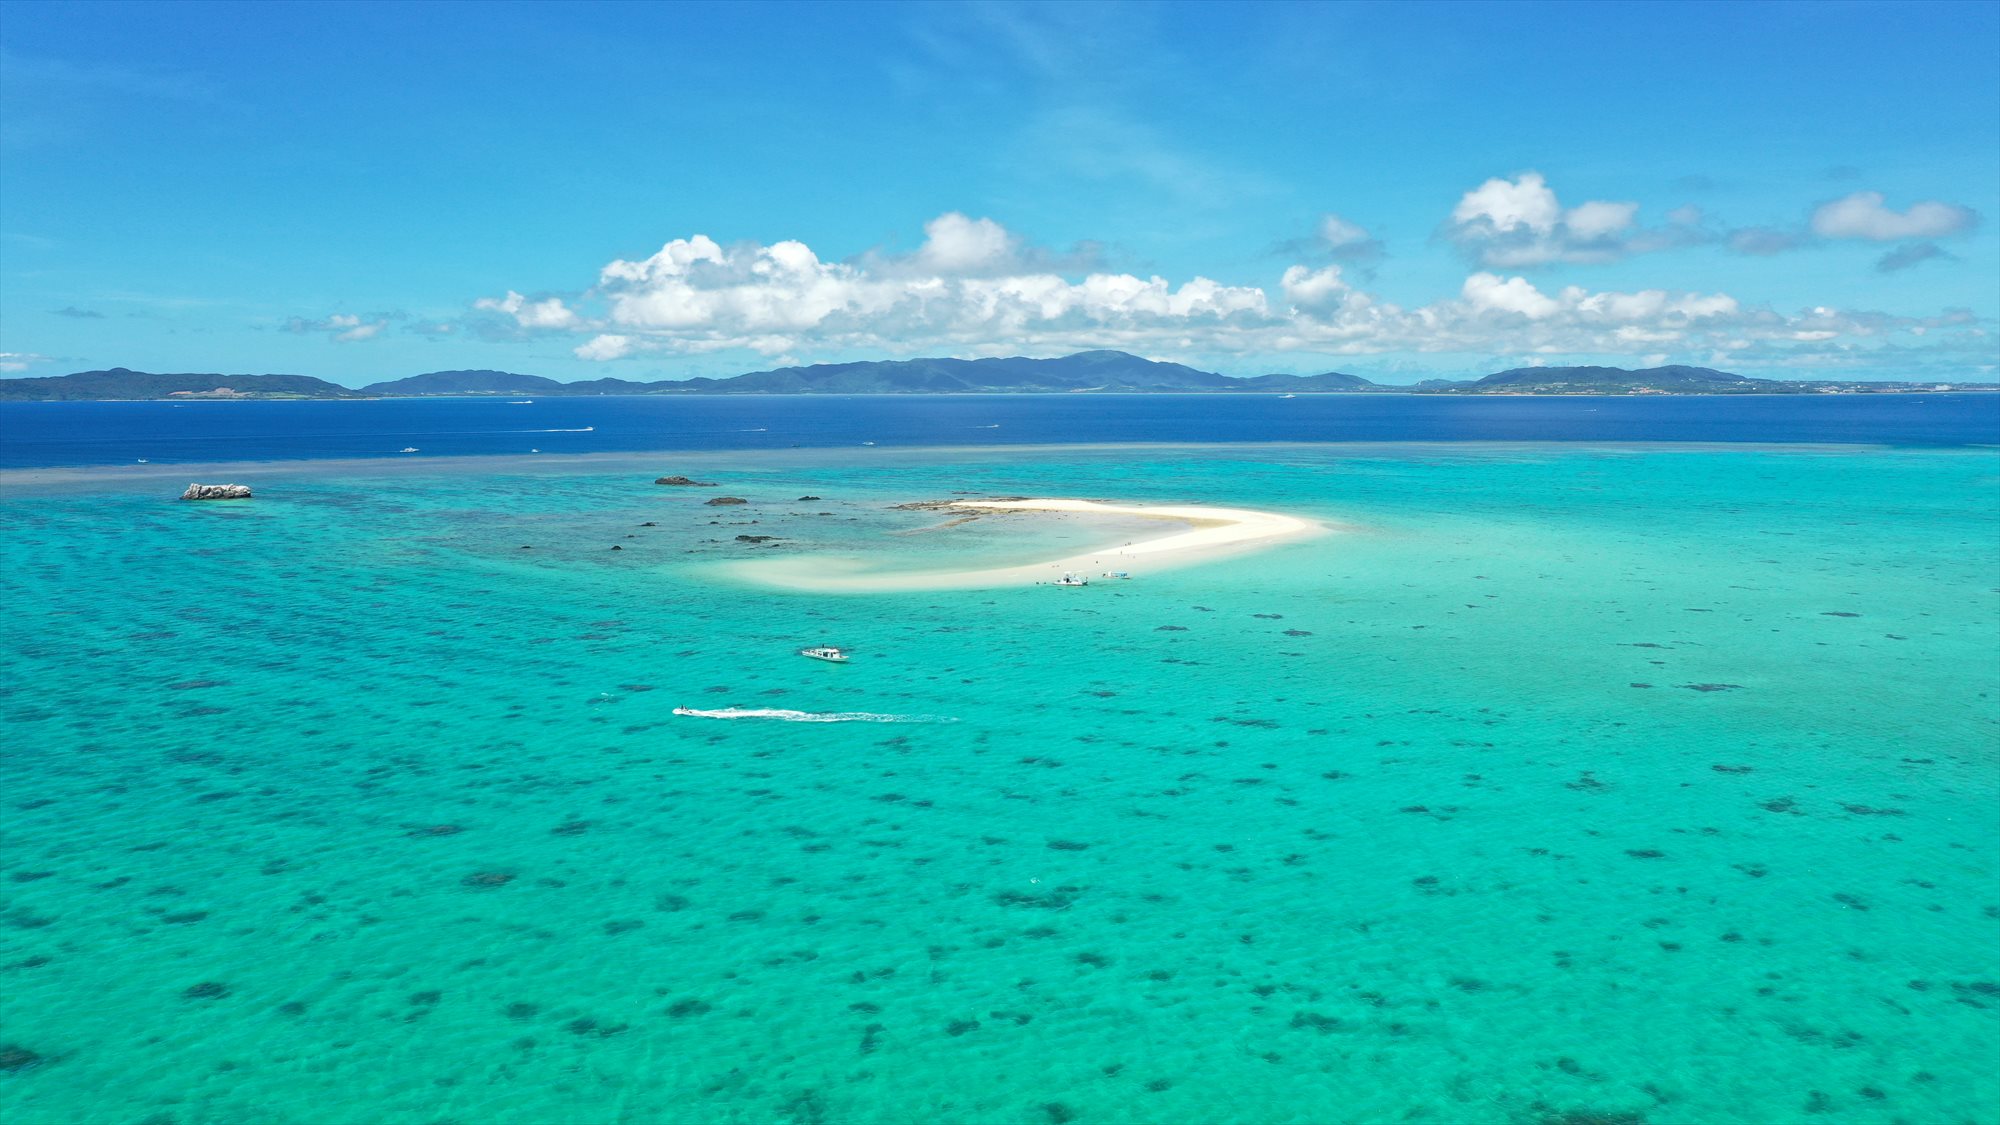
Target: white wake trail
pixel 785 716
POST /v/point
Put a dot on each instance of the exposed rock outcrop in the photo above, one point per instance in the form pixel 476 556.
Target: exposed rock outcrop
pixel 685 482
pixel 726 500
pixel 217 492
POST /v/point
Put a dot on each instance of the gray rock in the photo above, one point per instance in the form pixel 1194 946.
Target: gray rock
pixel 684 482
pixel 727 500
pixel 217 492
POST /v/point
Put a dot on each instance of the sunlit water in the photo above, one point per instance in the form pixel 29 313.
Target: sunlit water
pixel 1652 785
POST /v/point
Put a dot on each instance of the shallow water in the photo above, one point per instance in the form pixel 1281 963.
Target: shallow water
pixel 1564 780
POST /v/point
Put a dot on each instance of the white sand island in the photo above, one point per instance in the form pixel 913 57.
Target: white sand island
pixel 1212 533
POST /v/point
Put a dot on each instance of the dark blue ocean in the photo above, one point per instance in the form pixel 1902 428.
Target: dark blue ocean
pixel 36 435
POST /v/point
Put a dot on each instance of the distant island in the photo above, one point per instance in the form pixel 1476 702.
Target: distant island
pixel 1094 372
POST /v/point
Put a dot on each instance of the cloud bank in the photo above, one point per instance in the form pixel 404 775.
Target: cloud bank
pixel 975 288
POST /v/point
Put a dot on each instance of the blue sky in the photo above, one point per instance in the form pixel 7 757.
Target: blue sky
pixel 364 191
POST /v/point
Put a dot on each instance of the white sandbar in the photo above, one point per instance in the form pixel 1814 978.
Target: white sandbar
pixel 1213 533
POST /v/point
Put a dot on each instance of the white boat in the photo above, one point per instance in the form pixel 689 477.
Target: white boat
pixel 1115 574
pixel 868 443
pixel 828 653
pixel 407 449
pixel 522 402
pixel 1288 396
pixel 1072 580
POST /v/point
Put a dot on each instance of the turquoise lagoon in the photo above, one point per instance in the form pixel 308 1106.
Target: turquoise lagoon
pixel 1613 784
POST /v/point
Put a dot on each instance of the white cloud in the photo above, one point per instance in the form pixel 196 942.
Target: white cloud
pixel 1511 224
pixel 954 243
pixel 1314 289
pixel 11 362
pixel 1336 238
pixel 1598 219
pixel 974 288
pixel 1509 205
pixel 1339 234
pixel 1484 292
pixel 606 347
pixel 693 293
pixel 344 328
pixel 1520 223
pixel 1864 215
pixel 549 313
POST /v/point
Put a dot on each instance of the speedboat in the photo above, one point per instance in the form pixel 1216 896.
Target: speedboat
pixel 1072 580
pixel 828 653
pixel 407 449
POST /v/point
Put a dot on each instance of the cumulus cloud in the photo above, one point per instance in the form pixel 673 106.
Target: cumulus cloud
pixel 344 328
pixel 1865 215
pixel 975 288
pixel 548 313
pixel 1517 223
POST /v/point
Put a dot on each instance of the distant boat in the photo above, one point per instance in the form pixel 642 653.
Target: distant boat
pixel 1072 580
pixel 143 461
pixel 828 653
pixel 868 443
pixel 1115 574
pixel 408 449
pixel 1288 396
pixel 534 451
pixel 521 402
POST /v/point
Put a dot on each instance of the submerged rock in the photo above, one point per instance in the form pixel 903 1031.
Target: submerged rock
pixel 216 492
pixel 726 500
pixel 685 482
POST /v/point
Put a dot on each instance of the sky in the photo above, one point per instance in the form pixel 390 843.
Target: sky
pixel 366 191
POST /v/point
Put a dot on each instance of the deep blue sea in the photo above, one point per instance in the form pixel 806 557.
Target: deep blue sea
pixel 39 435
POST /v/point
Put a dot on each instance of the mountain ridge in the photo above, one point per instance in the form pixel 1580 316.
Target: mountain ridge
pixel 1091 372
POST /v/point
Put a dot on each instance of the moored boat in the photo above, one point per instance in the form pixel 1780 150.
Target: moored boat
pixel 828 653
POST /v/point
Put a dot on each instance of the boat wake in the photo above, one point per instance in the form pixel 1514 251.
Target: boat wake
pixel 784 716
